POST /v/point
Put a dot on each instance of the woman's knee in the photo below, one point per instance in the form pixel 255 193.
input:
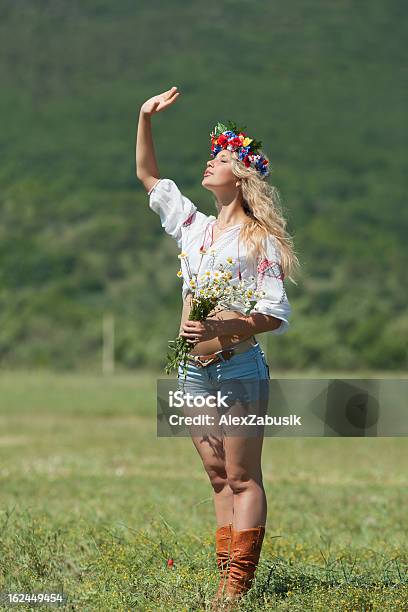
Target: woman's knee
pixel 217 475
pixel 240 480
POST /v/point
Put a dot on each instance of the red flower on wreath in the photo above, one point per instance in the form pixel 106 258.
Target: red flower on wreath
pixel 235 142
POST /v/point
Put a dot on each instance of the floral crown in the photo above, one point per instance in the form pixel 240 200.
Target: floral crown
pixel 233 138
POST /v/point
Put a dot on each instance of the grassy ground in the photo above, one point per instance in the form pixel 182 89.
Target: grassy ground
pixel 94 504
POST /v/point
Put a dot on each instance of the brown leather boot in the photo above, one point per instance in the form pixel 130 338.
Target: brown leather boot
pixel 222 546
pixel 245 551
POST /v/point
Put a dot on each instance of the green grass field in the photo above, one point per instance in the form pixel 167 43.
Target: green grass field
pixel 94 504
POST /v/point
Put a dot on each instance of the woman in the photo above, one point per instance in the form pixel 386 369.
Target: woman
pixel 250 230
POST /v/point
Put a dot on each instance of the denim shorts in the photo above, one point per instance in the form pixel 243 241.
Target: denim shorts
pixel 243 380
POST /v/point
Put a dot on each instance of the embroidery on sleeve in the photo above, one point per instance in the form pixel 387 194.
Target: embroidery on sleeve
pixel 189 219
pixel 272 269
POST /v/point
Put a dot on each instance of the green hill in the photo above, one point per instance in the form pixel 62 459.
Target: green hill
pixel 323 86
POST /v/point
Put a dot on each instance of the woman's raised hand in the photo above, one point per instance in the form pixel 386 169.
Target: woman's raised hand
pixel 160 102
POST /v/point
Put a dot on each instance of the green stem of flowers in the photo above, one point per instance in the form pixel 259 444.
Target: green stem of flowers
pixel 180 347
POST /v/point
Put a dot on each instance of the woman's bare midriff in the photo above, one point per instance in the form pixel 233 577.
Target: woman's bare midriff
pixel 206 347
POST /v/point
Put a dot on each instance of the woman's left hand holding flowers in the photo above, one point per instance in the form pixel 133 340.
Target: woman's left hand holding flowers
pixel 198 331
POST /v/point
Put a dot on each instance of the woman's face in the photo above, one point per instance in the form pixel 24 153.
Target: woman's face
pixel 218 173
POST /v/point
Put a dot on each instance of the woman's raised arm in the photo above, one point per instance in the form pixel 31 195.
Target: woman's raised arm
pixel 146 165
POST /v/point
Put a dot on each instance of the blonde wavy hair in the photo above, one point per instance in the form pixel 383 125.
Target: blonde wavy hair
pixel 262 204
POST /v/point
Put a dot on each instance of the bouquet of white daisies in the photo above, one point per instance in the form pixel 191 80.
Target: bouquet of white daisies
pixel 215 290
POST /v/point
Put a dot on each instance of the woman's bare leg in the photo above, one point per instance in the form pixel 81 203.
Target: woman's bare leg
pixel 244 475
pixel 209 444
pixel 211 451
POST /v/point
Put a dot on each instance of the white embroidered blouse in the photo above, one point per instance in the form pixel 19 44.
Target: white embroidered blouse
pixel 191 228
